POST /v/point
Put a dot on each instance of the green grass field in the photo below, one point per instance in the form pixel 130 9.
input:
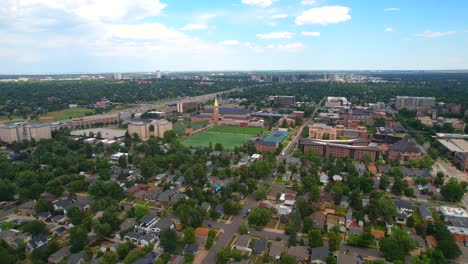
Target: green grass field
pixel 238 130
pixel 179 127
pixel 229 141
pixel 65 114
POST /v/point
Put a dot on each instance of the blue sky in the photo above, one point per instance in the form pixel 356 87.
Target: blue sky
pixel 52 36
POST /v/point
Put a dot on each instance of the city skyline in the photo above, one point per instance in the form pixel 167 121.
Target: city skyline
pixel 238 35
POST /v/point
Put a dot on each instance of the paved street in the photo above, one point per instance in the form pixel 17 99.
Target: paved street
pixel 229 230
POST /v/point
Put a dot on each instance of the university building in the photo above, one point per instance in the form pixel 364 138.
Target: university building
pixel 23 131
pixel 356 149
pixel 147 128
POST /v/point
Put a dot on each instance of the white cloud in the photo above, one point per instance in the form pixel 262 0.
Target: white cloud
pixel 392 9
pixel 279 16
pixel 324 15
pixel 259 3
pixel 194 27
pixel 310 33
pixel 388 29
pixel 435 34
pixel 308 2
pixel 276 35
pixel 230 42
pixel 296 46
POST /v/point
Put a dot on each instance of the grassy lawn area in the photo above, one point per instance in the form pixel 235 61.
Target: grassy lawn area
pixel 65 114
pixel 179 127
pixel 280 180
pixel 122 107
pixel 239 130
pixel 229 141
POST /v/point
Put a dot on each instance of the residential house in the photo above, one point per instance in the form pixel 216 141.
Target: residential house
pixel 149 258
pixel 318 219
pixel 319 255
pixel 36 242
pixel 145 223
pixel 134 237
pixel 276 249
pixel 147 239
pixel 323 179
pixel 345 201
pixel 59 219
pixel 425 213
pixel 59 256
pixel 242 243
pixel 180 180
pixel 26 209
pixel 177 197
pixel 161 224
pixel 300 253
pixel 191 249
pixel 77 258
pixel 355 231
pixel 14 238
pixel 152 194
pixel 64 204
pixel 405 210
pixel 260 245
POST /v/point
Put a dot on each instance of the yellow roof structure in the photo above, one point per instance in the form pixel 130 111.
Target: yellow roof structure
pixel 216 102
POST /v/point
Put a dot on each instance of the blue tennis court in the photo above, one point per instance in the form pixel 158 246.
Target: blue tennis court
pixel 276 136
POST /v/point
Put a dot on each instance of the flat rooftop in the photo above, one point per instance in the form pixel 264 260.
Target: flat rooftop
pixel 105 133
pixel 455 144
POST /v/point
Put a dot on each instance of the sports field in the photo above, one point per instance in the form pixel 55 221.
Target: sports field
pixel 179 127
pixel 65 114
pixel 238 130
pixel 229 141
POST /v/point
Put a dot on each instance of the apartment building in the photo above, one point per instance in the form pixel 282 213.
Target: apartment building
pixel 95 119
pixel 356 149
pixel 24 131
pixel 415 103
pixel 322 131
pixel 146 128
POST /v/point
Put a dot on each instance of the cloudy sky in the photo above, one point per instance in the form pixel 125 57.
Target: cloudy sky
pixel 52 36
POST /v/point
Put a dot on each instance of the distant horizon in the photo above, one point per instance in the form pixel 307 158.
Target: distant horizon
pixel 238 71
pixel 69 36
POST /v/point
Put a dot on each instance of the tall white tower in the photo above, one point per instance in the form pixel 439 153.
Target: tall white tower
pixel 158 74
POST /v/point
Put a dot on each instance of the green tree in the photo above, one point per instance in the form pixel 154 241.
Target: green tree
pixel 7 190
pixel 384 182
pixel 189 235
pixel 35 227
pixel 110 258
pixel 259 216
pixel 397 245
pixel 43 206
pixel 453 191
pixel 168 240
pixel 287 259
pixel 334 239
pixel 78 238
pixel 243 229
pixel 76 215
pixel 315 238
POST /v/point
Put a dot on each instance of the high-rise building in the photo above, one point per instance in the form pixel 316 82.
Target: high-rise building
pixel 158 74
pixel 415 103
pixel 147 128
pixel 216 111
pixel 117 76
pixel 24 131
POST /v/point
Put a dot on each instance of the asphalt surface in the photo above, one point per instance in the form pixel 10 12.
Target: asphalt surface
pixel 229 230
